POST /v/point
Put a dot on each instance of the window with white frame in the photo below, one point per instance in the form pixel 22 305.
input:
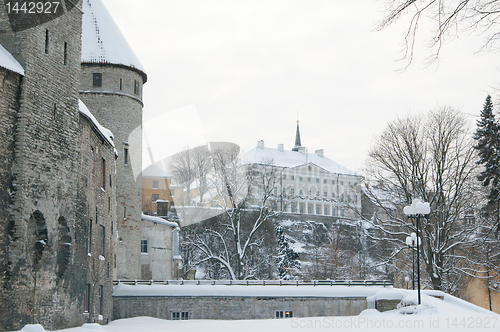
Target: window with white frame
pixel 283 314
pixel 155 184
pixel 144 246
pixel 179 315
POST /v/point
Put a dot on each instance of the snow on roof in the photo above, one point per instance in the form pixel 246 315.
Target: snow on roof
pixel 105 132
pixel 7 61
pixel 155 173
pixel 102 40
pixel 242 290
pixel 259 155
pixel 159 220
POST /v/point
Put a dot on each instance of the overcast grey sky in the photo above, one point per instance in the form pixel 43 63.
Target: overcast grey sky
pixel 242 70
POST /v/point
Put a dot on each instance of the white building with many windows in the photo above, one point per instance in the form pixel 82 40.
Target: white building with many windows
pixel 309 183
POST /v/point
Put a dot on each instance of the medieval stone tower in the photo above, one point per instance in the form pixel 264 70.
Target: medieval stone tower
pixel 40 269
pixel 57 177
pixel 111 86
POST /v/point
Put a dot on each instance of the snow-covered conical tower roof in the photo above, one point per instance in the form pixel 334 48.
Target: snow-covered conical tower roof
pixel 102 40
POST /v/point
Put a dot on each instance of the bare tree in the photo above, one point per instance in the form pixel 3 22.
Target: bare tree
pixel 237 188
pixel 202 161
pixel 431 158
pixel 448 17
pixel 183 171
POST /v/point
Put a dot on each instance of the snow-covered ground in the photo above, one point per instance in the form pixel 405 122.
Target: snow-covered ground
pixel 434 314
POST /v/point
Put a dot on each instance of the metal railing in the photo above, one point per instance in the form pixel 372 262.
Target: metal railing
pixel 365 283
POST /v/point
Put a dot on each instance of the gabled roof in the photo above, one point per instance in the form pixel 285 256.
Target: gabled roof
pixel 7 61
pixel 154 172
pixel 259 155
pixel 102 40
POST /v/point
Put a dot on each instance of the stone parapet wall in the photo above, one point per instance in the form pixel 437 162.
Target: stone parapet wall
pixel 234 308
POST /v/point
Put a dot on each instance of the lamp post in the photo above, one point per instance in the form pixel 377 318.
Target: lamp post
pixel 410 242
pixel 416 210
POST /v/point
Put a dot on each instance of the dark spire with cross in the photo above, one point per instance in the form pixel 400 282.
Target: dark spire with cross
pixel 297 139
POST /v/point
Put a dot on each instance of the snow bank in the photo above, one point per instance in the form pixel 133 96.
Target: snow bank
pixel 33 328
pixel 243 290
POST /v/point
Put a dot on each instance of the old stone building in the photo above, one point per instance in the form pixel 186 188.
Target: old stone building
pixel 160 257
pixel 111 87
pixel 59 173
pixel 96 206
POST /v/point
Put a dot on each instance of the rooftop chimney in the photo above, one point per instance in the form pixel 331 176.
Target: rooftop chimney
pixel 260 144
pixel 320 153
pixel 281 148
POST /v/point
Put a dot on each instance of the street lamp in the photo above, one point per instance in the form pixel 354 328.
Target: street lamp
pixel 410 242
pixel 416 210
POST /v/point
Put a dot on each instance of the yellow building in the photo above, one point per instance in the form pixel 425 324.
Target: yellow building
pixel 155 187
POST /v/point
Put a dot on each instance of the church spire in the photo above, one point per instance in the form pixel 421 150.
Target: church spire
pixel 297 139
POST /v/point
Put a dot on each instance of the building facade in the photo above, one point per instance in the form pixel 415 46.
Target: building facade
pixel 155 187
pixel 309 183
pixel 160 257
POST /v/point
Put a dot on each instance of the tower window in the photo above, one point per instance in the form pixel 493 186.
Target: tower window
pixel 101 299
pixel 125 157
pixel 46 41
pixel 97 79
pixel 136 87
pixel 103 174
pixel 86 298
pixel 65 53
pixel 121 84
pixel 102 240
pixel 55 111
